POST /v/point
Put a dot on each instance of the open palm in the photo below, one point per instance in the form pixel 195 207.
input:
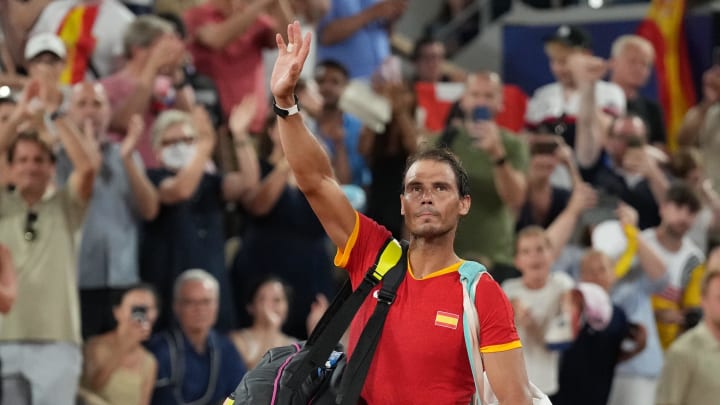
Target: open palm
pixel 289 63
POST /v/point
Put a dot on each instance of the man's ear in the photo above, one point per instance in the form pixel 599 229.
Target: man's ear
pixel 465 205
pixel 402 205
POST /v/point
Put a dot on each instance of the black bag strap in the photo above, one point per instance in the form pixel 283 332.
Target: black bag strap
pixel 338 316
pixel 357 368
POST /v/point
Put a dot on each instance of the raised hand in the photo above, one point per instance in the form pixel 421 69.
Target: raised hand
pixel 289 64
pixel 136 126
pixel 242 116
pixel 587 69
pixel 582 198
pixel 627 215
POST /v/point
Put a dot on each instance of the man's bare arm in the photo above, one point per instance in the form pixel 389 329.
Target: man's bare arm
pixel 306 157
pixel 507 377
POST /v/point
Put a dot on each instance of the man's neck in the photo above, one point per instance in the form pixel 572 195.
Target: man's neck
pixel 533 283
pixel 31 197
pixel 134 67
pixel 630 92
pixel 331 111
pixel 713 328
pixel 198 339
pixel 666 240
pixel 432 255
pixel 539 184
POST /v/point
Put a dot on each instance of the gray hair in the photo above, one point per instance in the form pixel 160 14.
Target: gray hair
pixel 207 279
pixel 167 119
pixel 143 31
pixel 626 40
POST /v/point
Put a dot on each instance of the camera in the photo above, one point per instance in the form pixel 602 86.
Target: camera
pixel 138 313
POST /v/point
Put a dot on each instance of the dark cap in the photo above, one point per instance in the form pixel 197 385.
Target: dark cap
pixel 570 35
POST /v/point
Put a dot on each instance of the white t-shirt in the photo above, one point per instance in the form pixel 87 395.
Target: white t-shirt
pixel 544 305
pixel 549 101
pixel 110 25
pixel 679 264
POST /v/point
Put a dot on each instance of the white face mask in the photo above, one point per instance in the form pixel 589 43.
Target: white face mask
pixel 177 156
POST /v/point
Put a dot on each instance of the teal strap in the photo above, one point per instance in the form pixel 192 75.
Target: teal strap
pixel 470 273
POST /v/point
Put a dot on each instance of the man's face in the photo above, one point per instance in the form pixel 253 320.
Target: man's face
pixel 632 67
pixel 331 83
pixel 482 91
pixel 625 133
pixel 196 306
pixel 429 62
pixel 677 219
pixel 430 201
pixel 89 102
pixel 533 257
pixel 31 167
pixel 270 304
pixel 558 55
pixel 46 67
pixel 597 269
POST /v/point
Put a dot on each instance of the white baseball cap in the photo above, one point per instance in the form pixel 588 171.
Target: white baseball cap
pixel 45 42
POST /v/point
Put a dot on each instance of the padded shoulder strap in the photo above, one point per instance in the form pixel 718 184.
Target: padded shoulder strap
pixel 470 273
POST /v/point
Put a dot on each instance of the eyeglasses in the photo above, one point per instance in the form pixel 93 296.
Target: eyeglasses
pixel 30 231
pixel 189 140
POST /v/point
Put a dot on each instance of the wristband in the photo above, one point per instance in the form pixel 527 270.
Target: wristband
pixel 286 112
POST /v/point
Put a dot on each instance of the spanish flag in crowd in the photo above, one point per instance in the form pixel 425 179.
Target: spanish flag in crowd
pixel 76 31
pixel 663 27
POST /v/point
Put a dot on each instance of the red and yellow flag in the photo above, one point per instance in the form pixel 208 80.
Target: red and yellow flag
pixel 76 32
pixel 663 27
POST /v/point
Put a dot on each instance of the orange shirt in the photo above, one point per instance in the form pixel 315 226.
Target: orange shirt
pixel 421 357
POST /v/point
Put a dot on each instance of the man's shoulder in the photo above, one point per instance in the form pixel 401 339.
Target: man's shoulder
pixel 118 11
pixel 547 90
pixel 690 342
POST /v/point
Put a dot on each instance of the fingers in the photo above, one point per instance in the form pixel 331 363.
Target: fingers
pixel 280 42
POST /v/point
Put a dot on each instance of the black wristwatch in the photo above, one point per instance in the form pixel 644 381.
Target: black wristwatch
pixel 286 112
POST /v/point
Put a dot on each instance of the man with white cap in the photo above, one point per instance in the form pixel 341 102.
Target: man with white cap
pixel 45 55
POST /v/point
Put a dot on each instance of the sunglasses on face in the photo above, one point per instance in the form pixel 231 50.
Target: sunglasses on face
pixel 187 140
pixel 30 233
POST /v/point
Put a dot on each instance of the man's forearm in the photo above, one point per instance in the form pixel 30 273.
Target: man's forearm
pixel 144 193
pixel 589 133
pixel 77 153
pixel 659 184
pixel 511 186
pixel 343 28
pixel 218 35
pixel 692 124
pixel 306 156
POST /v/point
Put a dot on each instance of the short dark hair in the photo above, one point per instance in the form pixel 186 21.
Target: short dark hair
pixel 266 279
pixel 117 299
pixel 681 194
pixel 333 64
pixel 442 155
pixel 422 43
pixel 32 137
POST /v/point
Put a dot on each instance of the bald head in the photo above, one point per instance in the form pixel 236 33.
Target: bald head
pixel 89 103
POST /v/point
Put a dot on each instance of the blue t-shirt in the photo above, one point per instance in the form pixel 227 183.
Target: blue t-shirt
pixel 364 51
pixel 185 376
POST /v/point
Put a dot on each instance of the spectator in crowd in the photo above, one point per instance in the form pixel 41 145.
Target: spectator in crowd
pixel 687 164
pixel 496 161
pixel 8 280
pixel 632 58
pixel 356 32
pixel 636 378
pixel 177 7
pixel 630 170
pixel 196 364
pixel 279 215
pixel 123 197
pixel 227 37
pixel 40 337
pixel 701 125
pixel 679 300
pixel 578 94
pixel 386 153
pixel 545 201
pixel 429 60
pixel 692 364
pixel 188 231
pixel 117 368
pixel 587 367
pixel 45 54
pixel 151 81
pixel 538 298
pixel 268 307
pixel 339 131
pixel 92 32
pixel 16 20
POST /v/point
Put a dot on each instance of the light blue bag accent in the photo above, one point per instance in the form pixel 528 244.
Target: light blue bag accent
pixel 470 273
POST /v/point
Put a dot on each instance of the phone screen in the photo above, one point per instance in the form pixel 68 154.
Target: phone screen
pixel 139 313
pixel 480 114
